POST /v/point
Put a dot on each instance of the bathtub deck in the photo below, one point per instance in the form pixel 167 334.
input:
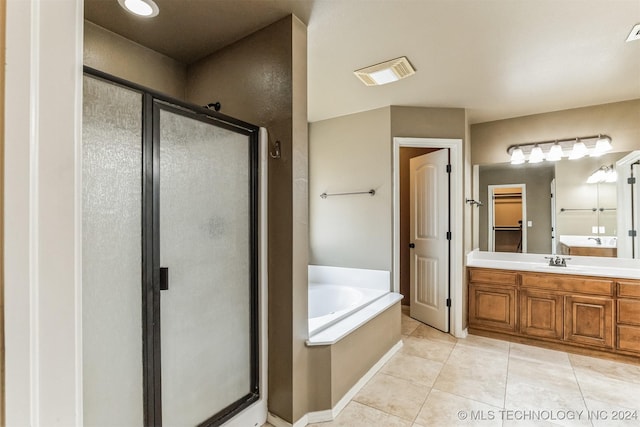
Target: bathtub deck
pixel 344 327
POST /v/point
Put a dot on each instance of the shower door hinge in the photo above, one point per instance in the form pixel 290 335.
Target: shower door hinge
pixel 631 180
pixel 633 233
pixel 448 302
pixel 448 168
pixel 448 235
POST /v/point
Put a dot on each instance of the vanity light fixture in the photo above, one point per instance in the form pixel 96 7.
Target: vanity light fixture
pixel 554 150
pixel 143 8
pixel 385 72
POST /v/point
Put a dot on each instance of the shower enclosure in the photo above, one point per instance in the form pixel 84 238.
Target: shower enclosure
pixel 170 259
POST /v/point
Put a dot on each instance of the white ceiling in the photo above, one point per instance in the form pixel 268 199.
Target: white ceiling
pixel 496 58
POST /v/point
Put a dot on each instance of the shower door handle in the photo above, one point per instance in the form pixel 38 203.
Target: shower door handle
pixel 164 278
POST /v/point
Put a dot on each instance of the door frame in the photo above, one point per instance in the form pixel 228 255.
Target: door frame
pixel 625 221
pixel 491 239
pixel 455 147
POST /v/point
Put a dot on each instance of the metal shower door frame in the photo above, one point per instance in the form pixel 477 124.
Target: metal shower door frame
pixel 152 103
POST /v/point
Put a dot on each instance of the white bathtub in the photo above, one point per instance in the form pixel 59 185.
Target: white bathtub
pixel 329 304
pixel 336 293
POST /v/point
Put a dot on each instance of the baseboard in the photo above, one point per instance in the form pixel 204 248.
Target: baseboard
pixel 331 414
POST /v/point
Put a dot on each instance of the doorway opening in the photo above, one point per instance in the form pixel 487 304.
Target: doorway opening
pixel 507 218
pixel 456 288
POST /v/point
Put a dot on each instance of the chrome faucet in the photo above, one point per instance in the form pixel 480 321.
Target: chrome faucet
pixel 557 261
pixel 597 239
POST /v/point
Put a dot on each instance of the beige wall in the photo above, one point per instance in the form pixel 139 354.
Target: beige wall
pixel 346 154
pixel 113 54
pixel 619 120
pixel 262 79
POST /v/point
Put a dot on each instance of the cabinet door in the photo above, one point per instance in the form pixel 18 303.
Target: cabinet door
pixel 541 314
pixel 589 320
pixel 492 307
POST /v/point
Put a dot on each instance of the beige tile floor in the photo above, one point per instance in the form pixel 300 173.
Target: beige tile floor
pixel 437 380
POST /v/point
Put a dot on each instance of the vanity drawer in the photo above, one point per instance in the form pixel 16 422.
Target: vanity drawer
pixel 629 338
pixel 629 311
pixel 629 289
pixel 568 283
pixel 500 277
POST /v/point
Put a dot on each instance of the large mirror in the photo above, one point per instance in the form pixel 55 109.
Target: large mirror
pixel 561 207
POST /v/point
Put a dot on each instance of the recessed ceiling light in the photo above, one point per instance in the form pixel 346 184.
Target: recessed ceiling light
pixel 634 34
pixel 386 72
pixel 144 8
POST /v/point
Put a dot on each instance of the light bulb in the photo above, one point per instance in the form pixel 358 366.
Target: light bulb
pixel 603 144
pixel 578 151
pixel 536 155
pixel 144 8
pixel 555 153
pixel 517 156
pixel 612 176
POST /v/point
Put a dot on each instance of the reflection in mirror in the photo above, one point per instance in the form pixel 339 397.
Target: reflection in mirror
pixel 562 213
pixel 507 211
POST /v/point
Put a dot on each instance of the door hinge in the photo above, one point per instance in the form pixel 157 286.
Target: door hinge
pixel 448 235
pixel 448 302
pixel 448 168
pixel 631 180
pixel 633 233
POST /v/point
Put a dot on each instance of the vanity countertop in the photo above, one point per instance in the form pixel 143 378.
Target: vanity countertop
pixel 577 265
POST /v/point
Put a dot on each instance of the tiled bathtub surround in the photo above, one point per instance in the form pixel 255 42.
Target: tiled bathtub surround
pixel 437 380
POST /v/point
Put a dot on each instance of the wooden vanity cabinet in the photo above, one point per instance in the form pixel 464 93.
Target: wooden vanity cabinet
pixel 589 320
pixel 541 314
pixel 566 309
pixel 628 319
pixel 492 299
pixel 574 309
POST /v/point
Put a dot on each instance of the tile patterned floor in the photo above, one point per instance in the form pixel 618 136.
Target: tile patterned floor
pixel 437 380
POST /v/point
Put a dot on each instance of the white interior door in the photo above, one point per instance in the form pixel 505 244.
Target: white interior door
pixel 429 224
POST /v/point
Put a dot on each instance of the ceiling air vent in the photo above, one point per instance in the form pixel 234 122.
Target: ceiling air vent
pixel 386 72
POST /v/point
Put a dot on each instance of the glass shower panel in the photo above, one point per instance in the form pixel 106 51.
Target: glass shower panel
pixel 111 254
pixel 205 244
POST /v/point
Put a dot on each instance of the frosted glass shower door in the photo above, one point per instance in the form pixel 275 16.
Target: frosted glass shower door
pixel 111 255
pixel 206 244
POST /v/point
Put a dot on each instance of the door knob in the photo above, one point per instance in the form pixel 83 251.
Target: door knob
pixel 412 245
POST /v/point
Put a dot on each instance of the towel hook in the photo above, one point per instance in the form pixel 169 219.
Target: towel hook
pixel 473 202
pixel 275 153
